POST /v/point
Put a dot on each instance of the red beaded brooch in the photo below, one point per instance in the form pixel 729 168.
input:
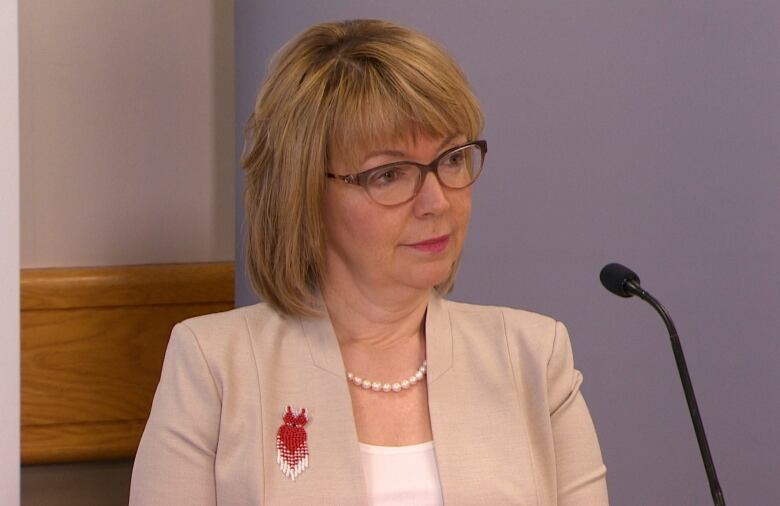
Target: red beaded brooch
pixel 292 450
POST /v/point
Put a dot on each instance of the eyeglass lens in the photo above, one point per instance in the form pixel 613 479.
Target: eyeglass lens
pixel 398 183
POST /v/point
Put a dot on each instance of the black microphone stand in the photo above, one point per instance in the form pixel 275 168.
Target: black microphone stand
pixel 717 494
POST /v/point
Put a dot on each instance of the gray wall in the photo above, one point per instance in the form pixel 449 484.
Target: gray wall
pixel 642 132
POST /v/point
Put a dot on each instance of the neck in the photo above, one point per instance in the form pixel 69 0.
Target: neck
pixel 375 318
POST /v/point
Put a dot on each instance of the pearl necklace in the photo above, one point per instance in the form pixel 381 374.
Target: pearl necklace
pixel 389 387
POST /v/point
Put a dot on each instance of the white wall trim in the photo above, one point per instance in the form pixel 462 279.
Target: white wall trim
pixel 9 253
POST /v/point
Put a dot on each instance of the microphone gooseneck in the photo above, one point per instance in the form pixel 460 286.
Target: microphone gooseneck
pixel 624 282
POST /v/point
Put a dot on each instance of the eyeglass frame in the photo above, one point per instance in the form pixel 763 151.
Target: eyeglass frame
pixel 360 178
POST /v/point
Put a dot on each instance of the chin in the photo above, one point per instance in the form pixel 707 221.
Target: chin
pixel 430 276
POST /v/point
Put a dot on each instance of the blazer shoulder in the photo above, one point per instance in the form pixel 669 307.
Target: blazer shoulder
pixel 513 317
pixel 523 330
pixel 226 336
pixel 228 342
pixel 226 323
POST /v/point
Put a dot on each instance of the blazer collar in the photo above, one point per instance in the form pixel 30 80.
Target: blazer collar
pixel 325 352
pixel 323 345
pixel 438 338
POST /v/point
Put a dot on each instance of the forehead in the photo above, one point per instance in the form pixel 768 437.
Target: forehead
pixel 411 144
pixel 414 146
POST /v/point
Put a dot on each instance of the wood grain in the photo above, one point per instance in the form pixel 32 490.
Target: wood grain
pixel 126 285
pixel 93 341
pixel 46 444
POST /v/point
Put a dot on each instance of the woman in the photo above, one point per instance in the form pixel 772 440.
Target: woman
pixel 356 383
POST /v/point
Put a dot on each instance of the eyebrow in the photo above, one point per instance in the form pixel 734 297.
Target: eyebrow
pixel 400 154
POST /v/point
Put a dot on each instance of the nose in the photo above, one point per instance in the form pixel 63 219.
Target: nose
pixel 432 198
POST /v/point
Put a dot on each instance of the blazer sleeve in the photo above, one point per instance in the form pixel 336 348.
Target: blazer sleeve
pixel 175 459
pixel 580 471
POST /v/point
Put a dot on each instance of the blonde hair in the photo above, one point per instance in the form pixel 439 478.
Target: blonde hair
pixel 337 89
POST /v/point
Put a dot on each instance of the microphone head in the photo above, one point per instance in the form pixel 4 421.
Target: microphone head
pixel 614 277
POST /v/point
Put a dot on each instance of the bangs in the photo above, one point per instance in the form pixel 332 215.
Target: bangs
pixel 373 107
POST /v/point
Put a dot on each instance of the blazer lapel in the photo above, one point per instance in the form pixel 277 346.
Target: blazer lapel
pixel 299 364
pixel 478 429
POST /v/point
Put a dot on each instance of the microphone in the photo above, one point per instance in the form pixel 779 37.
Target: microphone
pixel 624 282
pixel 619 280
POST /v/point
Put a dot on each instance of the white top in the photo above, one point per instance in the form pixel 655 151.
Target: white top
pixel 401 475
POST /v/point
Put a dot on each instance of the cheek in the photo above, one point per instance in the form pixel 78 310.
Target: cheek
pixel 461 208
pixel 360 231
pixel 334 221
pixel 357 229
pixel 461 213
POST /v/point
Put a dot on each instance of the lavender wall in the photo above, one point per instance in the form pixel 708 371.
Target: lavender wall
pixel 642 132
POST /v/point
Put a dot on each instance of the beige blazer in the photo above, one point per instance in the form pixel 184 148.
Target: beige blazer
pixel 509 423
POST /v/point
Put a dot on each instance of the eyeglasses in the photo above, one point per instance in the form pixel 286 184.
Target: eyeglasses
pixel 396 183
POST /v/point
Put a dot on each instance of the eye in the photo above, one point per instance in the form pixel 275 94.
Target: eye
pixel 388 176
pixel 454 159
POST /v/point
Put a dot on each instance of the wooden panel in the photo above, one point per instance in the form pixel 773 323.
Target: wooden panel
pixel 93 342
pixel 46 444
pixel 126 286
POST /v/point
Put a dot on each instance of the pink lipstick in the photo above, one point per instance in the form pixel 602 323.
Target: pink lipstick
pixel 435 245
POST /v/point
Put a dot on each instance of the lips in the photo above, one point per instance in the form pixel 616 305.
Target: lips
pixel 433 245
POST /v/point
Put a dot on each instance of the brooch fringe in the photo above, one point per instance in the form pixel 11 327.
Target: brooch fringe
pixel 292 449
